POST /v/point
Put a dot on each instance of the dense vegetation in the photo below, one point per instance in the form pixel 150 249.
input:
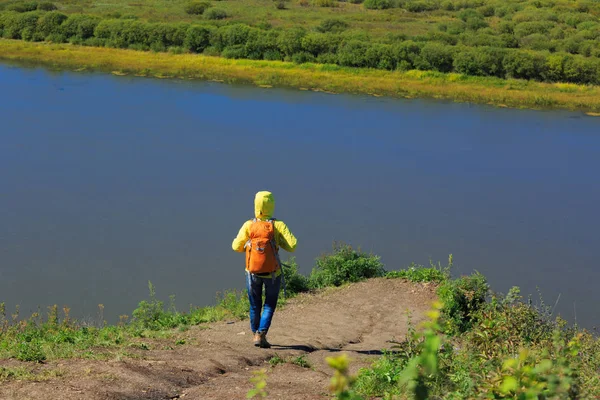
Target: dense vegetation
pixel 480 345
pixel 550 40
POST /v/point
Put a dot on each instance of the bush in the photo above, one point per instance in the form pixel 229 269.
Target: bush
pixel 483 61
pixel 23 7
pixel 421 6
pixel 528 28
pixel 15 24
pixel 582 70
pixel 80 26
pixel 318 43
pixel 47 6
pixel 290 41
pixel 462 299
pixel 196 7
pixel 30 350
pixel 294 281
pixel 377 4
pixel 435 56
pixel 537 41
pixel 303 57
pixel 333 25
pixel 50 23
pixel 197 39
pixel 524 65
pixel 405 54
pixel 344 265
pixel 215 14
pixel 273 55
pixel 259 43
pixel 353 54
pixel 235 51
pixel 380 56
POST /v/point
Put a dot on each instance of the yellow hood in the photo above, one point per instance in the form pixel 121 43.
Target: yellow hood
pixel 264 205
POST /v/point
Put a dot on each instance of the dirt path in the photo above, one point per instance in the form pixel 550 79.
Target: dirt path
pixel 217 361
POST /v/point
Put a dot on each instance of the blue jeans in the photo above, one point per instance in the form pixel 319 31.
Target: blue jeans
pixel 261 322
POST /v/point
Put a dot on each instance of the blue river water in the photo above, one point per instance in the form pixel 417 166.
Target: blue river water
pixel 109 182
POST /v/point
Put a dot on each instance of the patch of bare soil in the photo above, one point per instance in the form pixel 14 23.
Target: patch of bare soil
pixel 218 361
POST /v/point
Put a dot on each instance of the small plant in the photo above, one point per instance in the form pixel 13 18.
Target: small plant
pixel 276 360
pixel 301 361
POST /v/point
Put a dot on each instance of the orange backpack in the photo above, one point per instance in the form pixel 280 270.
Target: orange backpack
pixel 261 249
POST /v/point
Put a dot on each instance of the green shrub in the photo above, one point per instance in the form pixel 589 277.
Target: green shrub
pixel 47 6
pixel 23 7
pixel 377 4
pixel 57 38
pixel 50 23
pixel 215 14
pixel 196 7
pixel 524 64
pixel 197 39
pixel 574 19
pixel 290 41
pixel 380 56
pixel 582 70
pixel 17 23
pixel 332 25
pixel 476 23
pixel 537 41
pixel 405 54
pixel 435 56
pixel 230 35
pixel 421 6
pixel 462 299
pixel 273 55
pixel 482 61
pixel 234 51
pixel 303 57
pixel 327 58
pixel 259 43
pixel 30 350
pixel 80 25
pixel 528 28
pixel 344 265
pixel 294 281
pixel 318 43
pixel 353 54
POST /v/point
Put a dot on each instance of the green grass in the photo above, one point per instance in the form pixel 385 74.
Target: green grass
pixel 57 336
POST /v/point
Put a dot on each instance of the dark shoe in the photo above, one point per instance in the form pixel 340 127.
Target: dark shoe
pixel 256 339
pixel 263 344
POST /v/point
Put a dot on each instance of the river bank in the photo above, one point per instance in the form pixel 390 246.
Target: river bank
pixel 327 78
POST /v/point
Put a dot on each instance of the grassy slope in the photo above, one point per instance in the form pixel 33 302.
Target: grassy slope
pixel 512 93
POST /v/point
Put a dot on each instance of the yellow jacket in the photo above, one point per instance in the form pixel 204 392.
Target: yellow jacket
pixel 264 205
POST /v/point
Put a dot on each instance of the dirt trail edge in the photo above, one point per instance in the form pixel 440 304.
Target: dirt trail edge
pixel 217 360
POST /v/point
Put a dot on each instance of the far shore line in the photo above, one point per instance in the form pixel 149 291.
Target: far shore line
pixel 317 77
